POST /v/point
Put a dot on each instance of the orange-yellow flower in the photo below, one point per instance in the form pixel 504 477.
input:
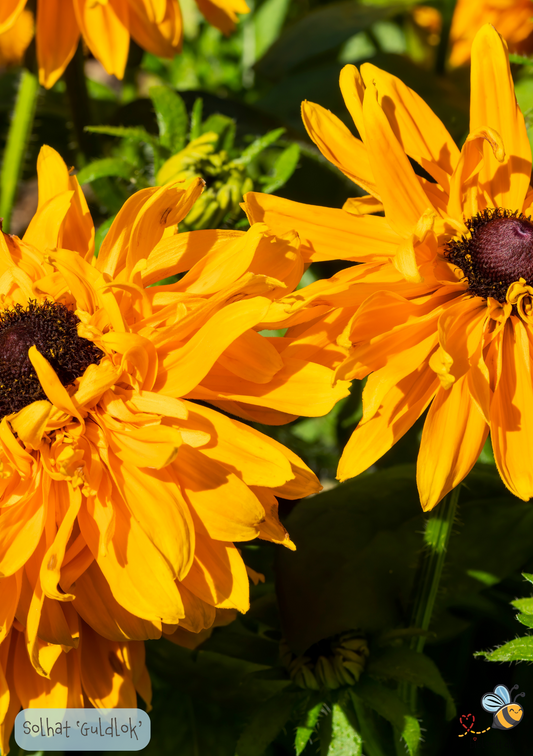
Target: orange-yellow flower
pixel 13 43
pixel 106 27
pixel 440 311
pixel 121 490
pixel 513 19
pixel 94 673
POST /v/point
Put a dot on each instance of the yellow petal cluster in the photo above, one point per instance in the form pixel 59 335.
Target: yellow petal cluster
pixel 122 493
pixel 106 27
pixel 513 19
pixel 404 314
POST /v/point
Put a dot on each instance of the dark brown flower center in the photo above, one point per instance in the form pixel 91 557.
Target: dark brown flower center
pixel 498 252
pixel 52 328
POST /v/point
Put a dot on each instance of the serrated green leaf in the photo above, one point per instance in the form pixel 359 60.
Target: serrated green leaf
pixel 266 723
pixel 519 649
pixel 528 576
pixel 105 167
pixel 196 119
pixel 258 145
pixel 284 167
pixel 524 605
pixel 525 619
pixel 404 664
pixel 172 118
pixel 388 705
pixel 268 21
pixel 307 727
pixel 137 133
pixel 345 740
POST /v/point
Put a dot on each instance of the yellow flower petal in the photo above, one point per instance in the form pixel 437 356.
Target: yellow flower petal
pixel 57 35
pixel 228 509
pixel 97 606
pixel 105 30
pixel 51 385
pixel 397 185
pixel 511 412
pixel 454 434
pixel 339 146
pixel 10 10
pixel 493 103
pixel 222 13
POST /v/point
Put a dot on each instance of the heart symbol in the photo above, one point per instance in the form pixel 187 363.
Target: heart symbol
pixel 467 721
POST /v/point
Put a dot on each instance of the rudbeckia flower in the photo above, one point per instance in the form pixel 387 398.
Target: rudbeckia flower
pixel 439 313
pixel 106 27
pixel 94 673
pixel 511 18
pixel 13 43
pixel 122 487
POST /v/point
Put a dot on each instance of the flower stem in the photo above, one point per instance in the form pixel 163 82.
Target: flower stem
pixel 17 142
pixel 442 49
pixel 80 104
pixel 436 538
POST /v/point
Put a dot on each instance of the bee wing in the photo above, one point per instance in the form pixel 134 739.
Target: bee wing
pixel 492 702
pixel 503 692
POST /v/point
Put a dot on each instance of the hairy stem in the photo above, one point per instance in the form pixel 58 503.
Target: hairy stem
pixel 436 538
pixel 17 142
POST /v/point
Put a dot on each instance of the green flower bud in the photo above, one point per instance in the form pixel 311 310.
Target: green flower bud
pixel 331 663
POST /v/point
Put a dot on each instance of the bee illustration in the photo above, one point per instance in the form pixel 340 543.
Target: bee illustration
pixel 506 714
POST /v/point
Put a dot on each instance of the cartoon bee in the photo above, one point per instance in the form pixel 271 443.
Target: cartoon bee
pixel 506 714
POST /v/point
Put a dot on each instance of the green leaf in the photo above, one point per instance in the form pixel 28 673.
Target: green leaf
pixel 223 126
pixel 267 722
pixel 307 727
pixel 319 31
pixel 514 58
pixel 345 740
pixel 196 119
pixel 268 21
pixel 98 91
pixel 528 576
pixel 519 649
pixel 284 167
pixel 524 605
pixel 137 133
pixel 525 619
pixel 172 119
pixel 101 234
pixel 244 645
pixel 106 167
pixel 356 547
pixel 404 664
pixel 258 145
pixel 388 705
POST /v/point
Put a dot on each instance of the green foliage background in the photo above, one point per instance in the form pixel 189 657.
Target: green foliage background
pixel 359 543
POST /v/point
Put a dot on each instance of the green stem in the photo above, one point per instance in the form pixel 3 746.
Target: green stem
pixel 442 49
pixel 80 104
pixel 436 538
pixel 17 142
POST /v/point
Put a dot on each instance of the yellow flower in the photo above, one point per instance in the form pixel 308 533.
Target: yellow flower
pixel 440 312
pixel 13 43
pixel 95 673
pixel 121 491
pixel 513 19
pixel 106 27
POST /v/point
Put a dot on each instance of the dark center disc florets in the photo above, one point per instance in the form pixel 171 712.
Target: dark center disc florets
pixel 498 252
pixel 52 328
